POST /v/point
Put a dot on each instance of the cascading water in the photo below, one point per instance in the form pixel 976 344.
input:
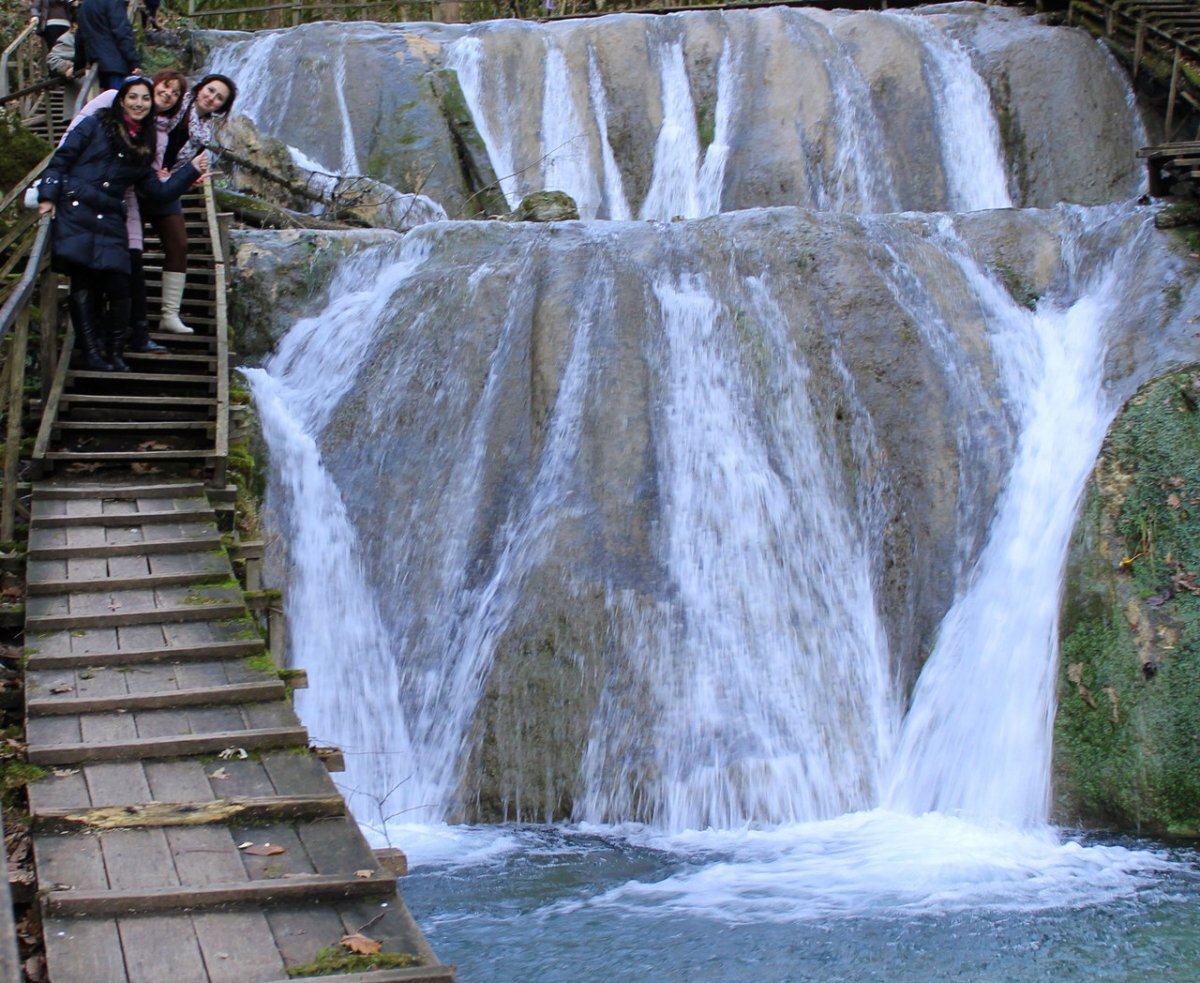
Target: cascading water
pixel 743 762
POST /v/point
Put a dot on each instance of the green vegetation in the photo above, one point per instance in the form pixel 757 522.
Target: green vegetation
pixel 22 149
pixel 334 959
pixel 1127 734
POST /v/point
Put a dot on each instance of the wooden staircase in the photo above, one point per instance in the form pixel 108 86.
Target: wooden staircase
pixel 183 831
pixel 166 417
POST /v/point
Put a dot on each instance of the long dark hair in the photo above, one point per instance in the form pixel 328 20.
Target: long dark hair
pixel 227 82
pixel 113 120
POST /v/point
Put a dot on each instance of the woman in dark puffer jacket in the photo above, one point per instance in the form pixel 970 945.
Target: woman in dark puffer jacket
pixel 82 189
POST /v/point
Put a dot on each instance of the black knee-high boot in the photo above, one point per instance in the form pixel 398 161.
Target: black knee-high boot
pixel 87 327
pixel 117 325
pixel 139 330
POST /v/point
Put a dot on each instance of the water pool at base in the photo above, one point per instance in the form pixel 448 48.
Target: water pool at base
pixel 853 899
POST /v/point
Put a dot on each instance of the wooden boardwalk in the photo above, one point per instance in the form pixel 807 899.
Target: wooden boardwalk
pixel 183 832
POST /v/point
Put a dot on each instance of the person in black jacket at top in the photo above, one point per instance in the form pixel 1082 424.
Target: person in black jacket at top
pixel 82 189
pixel 105 37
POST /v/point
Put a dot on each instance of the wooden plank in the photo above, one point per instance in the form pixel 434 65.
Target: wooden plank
pixel 166 747
pixel 125 519
pixel 240 693
pixel 140 815
pixel 238 947
pixel 205 855
pixel 77 585
pixel 73 862
pixel 337 846
pixel 306 888
pixel 114 783
pixel 300 933
pixel 178 781
pixel 297 774
pixel 50 408
pixel 145 547
pixel 137 859
pixel 160 948
pixel 235 648
pixel 84 949
pixel 177 613
pixel 66 791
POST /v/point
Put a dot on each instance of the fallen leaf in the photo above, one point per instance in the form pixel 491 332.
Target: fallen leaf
pixel 233 752
pixel 64 772
pixel 61 689
pixel 364 874
pixel 361 944
pixel 1174 500
pixel 219 774
pixel 142 467
pixel 1159 599
pixel 264 850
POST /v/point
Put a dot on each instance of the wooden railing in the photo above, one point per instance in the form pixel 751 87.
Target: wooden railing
pixel 1158 39
pixel 36 282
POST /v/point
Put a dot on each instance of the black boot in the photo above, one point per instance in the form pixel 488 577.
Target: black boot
pixel 140 341
pixel 83 317
pixel 117 324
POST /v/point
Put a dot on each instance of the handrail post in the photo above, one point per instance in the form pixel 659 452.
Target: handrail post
pixel 15 399
pixel 48 354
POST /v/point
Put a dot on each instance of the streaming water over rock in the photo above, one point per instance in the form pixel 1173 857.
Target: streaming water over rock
pixel 685 115
pixel 737 540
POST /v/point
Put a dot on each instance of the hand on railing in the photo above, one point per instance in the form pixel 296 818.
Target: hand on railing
pixel 46 208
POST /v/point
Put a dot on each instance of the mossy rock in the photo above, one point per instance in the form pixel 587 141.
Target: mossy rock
pixel 1127 734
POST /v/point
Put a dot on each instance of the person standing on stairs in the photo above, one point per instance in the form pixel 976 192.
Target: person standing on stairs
pixel 51 19
pixel 105 37
pixel 169 87
pixel 210 99
pixel 81 190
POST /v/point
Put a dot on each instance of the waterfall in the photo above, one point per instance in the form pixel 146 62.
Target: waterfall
pixel 770 692
pixel 966 120
pixel 743 671
pixel 563 135
pixel 977 738
pixel 333 620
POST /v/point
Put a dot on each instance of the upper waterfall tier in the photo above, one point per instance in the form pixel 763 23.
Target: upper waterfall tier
pixel 685 115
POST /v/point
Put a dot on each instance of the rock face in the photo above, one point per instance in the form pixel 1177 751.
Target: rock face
pixel 774 107
pixel 1129 678
pixel 278 277
pixel 512 402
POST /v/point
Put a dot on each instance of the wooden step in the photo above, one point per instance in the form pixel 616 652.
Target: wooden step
pixel 126 519
pixel 108 399
pixel 147 547
pixel 134 428
pixel 115 457
pixel 156 815
pixel 120 492
pixel 77 375
pixel 199 652
pixel 175 746
pixel 166 614
pixel 268 689
pixel 300 887
pixel 149 582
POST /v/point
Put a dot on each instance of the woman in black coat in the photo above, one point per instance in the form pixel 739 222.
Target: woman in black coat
pixel 83 189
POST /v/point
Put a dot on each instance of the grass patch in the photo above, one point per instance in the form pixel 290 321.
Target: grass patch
pixel 333 959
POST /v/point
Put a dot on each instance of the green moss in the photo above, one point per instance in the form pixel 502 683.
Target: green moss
pixel 1127 734
pixel 22 149
pixel 334 959
pixel 260 663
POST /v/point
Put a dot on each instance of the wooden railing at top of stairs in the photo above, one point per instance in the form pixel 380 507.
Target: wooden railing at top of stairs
pixel 1156 37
